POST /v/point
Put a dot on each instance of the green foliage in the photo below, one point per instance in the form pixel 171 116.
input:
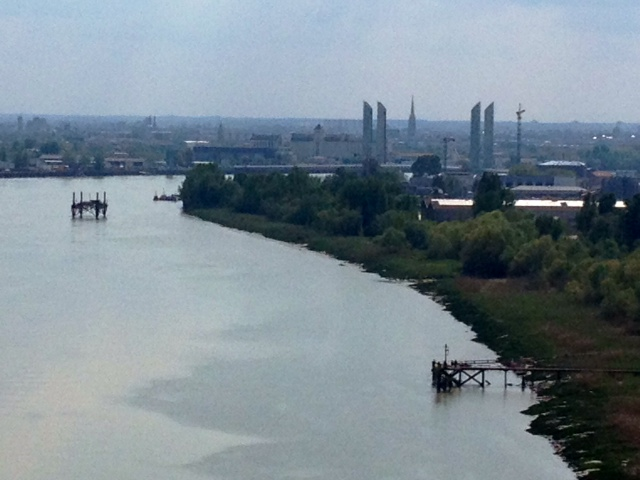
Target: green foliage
pixel 343 204
pixel 407 203
pixel 445 240
pixel 630 222
pixel 613 285
pixel 52 148
pixel 21 160
pixel 603 228
pixel 417 234
pixel 602 158
pixel 606 204
pixel 426 165
pixel 450 185
pixel 548 225
pixel 587 213
pixel 340 221
pixel 533 256
pixel 490 195
pixel 395 218
pixel 206 187
pixel 371 196
pixel 98 163
pixel 489 245
pixel 598 219
pixel 392 240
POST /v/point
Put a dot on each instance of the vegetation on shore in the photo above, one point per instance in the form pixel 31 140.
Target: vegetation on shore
pixel 526 287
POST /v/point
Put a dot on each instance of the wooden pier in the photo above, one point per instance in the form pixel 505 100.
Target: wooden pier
pixel 454 374
pixel 93 207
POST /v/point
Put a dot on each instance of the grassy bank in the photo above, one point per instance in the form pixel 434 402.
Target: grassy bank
pixel 593 419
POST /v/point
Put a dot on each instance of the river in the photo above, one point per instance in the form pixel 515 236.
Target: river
pixel 152 345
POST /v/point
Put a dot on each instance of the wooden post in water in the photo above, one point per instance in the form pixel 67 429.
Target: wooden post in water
pixel 92 206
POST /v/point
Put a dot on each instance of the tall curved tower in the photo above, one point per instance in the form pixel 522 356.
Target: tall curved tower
pixel 487 147
pixel 367 131
pixel 381 135
pixel 475 138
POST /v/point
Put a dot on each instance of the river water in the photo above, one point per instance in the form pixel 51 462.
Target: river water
pixel 152 345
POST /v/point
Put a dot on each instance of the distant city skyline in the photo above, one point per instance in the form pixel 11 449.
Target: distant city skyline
pixel 575 60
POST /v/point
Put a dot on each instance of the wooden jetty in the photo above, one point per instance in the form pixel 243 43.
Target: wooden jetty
pixel 447 375
pixel 93 207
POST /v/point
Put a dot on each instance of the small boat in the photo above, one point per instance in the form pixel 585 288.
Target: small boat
pixel 174 197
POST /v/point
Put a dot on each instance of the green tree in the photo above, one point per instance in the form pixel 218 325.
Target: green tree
pixel 205 187
pixel 50 148
pixel 490 195
pixel 392 240
pixel 98 162
pixel 416 233
pixel 445 240
pixel 343 222
pixel 548 225
pixel 370 196
pixel 426 165
pixel 587 214
pixel 450 185
pixel 606 204
pixel 20 160
pixel 533 257
pixel 630 221
pixel 486 246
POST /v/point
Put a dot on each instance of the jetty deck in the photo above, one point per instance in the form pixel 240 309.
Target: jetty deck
pixel 92 206
pixel 454 374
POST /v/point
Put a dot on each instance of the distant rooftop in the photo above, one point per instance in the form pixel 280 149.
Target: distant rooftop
pixel 562 163
pixel 548 188
pixel 530 203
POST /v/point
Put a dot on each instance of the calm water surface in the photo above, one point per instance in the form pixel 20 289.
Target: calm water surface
pixel 151 345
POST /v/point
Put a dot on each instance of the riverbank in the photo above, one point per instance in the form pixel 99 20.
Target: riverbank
pixel 88 174
pixel 593 419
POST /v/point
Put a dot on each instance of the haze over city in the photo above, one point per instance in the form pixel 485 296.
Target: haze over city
pixel 564 61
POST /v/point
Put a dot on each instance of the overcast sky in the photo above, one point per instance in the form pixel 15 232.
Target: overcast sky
pixel 563 60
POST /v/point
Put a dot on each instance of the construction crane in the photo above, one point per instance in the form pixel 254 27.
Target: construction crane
pixel 445 142
pixel 519 133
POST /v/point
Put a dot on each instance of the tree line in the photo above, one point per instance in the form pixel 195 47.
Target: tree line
pixel 596 261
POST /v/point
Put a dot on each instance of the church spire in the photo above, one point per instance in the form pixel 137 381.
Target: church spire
pixel 411 129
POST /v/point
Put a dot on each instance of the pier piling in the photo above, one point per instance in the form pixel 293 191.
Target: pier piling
pixel 95 207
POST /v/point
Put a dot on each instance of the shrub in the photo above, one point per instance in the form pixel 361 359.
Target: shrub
pixel 393 240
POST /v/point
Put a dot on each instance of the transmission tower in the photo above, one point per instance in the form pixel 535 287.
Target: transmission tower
pixel 519 134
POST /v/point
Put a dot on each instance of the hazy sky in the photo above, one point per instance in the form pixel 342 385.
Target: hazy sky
pixel 563 60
